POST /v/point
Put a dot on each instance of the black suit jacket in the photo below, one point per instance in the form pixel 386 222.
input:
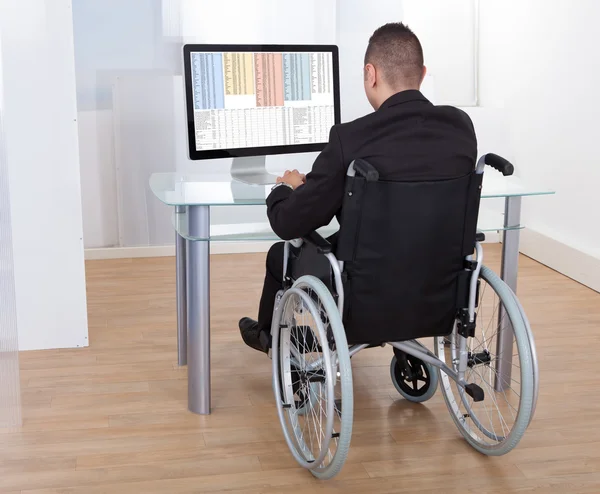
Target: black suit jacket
pixel 406 139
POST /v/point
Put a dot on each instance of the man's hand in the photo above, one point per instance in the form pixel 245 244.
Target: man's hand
pixel 293 178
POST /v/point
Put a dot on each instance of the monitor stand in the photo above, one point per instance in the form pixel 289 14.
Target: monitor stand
pixel 252 170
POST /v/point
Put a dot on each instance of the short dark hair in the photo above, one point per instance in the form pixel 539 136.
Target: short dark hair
pixel 397 52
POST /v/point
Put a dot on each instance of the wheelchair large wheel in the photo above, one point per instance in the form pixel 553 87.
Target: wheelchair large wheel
pixel 495 425
pixel 312 377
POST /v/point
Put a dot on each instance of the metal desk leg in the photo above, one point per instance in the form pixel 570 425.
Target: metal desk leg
pixel 509 270
pixel 198 310
pixel 180 244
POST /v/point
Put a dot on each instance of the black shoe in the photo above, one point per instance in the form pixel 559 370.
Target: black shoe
pixel 252 336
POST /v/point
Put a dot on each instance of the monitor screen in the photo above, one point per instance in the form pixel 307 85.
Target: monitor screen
pixel 257 100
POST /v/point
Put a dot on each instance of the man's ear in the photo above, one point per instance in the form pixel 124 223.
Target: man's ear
pixel 423 75
pixel 370 75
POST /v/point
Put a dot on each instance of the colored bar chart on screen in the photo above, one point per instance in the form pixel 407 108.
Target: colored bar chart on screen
pixel 208 81
pixel 297 74
pixel 268 72
pixel 261 99
pixel 239 73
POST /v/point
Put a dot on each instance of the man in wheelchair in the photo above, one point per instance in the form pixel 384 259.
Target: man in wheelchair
pixel 406 138
pixel 406 264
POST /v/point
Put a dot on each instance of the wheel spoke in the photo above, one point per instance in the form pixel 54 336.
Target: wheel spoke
pixel 496 423
pixel 308 379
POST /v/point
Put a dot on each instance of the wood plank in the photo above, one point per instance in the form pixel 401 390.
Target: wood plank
pixel 128 474
pixel 113 418
pixel 244 482
pixel 11 465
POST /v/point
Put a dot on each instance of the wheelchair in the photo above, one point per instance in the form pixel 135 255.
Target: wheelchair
pixel 396 278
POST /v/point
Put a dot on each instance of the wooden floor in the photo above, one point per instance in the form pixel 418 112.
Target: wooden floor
pixel 112 418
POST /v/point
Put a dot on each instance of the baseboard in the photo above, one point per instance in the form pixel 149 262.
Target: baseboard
pixel 169 250
pixel 215 248
pixel 563 258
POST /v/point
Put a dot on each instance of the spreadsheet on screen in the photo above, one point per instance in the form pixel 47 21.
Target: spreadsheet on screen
pixel 244 100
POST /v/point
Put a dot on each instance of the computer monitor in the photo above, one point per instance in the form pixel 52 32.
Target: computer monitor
pixel 249 101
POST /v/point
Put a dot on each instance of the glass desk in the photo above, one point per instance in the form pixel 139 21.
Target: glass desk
pixel 192 197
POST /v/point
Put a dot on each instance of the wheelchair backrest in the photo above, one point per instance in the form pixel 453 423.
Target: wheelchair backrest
pixel 404 246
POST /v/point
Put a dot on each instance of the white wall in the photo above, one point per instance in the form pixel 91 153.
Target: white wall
pixel 42 153
pixel 539 63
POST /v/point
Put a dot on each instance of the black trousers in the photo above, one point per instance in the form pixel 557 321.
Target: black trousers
pixel 313 263
pixel 273 283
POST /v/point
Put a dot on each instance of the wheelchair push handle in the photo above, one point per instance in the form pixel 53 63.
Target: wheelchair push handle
pixel 499 163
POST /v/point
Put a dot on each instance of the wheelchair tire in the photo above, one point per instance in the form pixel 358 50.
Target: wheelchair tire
pixel 498 438
pixel 310 300
pixel 536 372
pixel 427 373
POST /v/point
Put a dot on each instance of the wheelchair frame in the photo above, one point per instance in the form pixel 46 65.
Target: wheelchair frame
pixel 415 348
pixel 411 347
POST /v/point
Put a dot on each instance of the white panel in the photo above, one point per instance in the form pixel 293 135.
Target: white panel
pixel 446 29
pixel 150 129
pixel 98 180
pixel 43 158
pixel 144 129
pixel 10 384
pixel 143 112
pixel 356 21
pixel 171 17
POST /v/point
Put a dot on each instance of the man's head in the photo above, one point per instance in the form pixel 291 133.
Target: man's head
pixel 393 63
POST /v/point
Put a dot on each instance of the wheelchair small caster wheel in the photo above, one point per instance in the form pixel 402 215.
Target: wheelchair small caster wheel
pixel 416 380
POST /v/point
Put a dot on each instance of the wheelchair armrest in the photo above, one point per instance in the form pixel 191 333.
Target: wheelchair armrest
pixel 323 246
